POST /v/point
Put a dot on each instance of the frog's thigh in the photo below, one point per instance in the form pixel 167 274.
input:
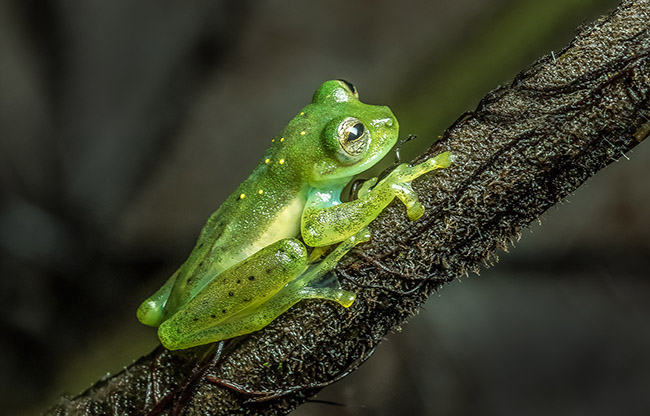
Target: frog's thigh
pixel 233 293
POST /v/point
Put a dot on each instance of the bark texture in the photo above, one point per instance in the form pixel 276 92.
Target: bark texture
pixel 528 145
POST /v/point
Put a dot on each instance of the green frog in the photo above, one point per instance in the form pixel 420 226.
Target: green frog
pixel 260 252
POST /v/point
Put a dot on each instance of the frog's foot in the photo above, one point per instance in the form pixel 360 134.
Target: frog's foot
pixel 443 160
pixel 400 182
pixel 406 194
pixel 366 187
pixel 310 284
pixel 406 173
pixel 344 298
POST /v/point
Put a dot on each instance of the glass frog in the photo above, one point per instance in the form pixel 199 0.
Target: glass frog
pixel 251 261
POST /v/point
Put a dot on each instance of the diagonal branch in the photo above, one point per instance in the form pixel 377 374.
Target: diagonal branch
pixel 527 146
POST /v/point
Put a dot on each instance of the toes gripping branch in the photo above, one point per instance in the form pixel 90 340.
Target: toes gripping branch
pixel 400 180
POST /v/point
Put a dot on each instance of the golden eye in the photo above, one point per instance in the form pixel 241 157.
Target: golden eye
pixel 353 136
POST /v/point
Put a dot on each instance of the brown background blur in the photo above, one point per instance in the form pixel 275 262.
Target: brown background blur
pixel 124 124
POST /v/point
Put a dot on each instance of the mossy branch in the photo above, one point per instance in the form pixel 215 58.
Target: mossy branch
pixel 526 147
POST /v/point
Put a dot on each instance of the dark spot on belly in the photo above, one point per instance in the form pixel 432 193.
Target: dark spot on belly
pixel 230 294
pixel 251 278
pixel 213 316
pixel 238 281
pixel 267 271
pixel 201 264
pixel 195 319
pixel 223 311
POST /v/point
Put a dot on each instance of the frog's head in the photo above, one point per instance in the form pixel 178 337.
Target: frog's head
pixel 343 136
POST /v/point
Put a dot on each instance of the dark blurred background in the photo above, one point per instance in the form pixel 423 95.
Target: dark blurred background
pixel 124 124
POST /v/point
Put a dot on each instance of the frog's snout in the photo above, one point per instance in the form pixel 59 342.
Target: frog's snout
pixel 387 119
pixel 387 122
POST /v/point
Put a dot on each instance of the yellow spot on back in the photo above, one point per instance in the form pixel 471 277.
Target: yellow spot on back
pixel 281 161
pixel 302 133
pixel 281 139
pixel 302 113
pixel 242 196
pixel 260 192
pixel 267 161
pixel 272 140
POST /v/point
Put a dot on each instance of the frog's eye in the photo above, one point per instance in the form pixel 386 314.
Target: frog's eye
pixel 353 136
pixel 350 86
pixel 337 91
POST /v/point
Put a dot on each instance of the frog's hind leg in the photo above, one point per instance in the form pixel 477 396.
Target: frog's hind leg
pixel 309 285
pixel 234 294
pixel 298 289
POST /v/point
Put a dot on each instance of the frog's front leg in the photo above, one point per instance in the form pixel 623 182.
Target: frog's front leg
pixel 325 223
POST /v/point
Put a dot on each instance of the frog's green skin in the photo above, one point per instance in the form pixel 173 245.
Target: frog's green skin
pixel 247 267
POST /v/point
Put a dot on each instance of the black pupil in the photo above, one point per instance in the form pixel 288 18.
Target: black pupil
pixel 355 132
pixel 349 85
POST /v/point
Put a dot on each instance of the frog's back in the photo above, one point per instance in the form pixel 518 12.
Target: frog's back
pixel 265 208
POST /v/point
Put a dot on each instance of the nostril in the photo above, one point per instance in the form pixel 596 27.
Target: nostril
pixel 384 122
